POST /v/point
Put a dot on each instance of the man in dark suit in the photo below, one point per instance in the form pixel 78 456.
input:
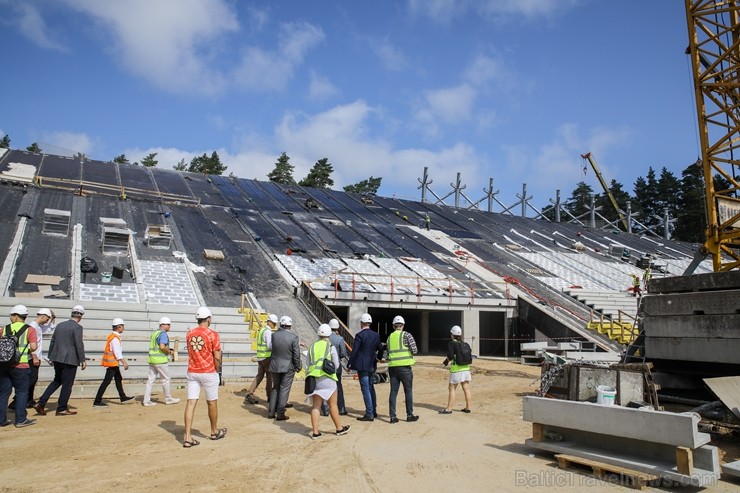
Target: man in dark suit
pixel 67 352
pixel 364 359
pixel 285 361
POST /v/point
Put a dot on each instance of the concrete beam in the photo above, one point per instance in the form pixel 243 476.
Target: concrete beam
pixel 706 303
pixel 695 326
pixel 699 282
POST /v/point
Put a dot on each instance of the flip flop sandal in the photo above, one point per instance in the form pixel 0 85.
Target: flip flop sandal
pixel 191 443
pixel 219 434
pixel 445 411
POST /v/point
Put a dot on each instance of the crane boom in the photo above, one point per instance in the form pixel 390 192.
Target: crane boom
pixel 608 192
pixel 714 38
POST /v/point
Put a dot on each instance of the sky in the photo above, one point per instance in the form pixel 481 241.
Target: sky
pixel 514 90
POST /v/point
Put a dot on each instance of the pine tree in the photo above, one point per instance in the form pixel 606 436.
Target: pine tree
pixel 122 159
pixel 5 142
pixel 181 165
pixel 692 221
pixel 365 187
pixel 149 160
pixel 283 171
pixel 646 192
pixel 34 148
pixel 319 176
pixel 207 165
pixel 607 209
pixel 580 199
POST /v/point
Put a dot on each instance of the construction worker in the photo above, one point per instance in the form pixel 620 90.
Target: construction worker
pixel 18 373
pixel 262 357
pixel 401 351
pixel 159 356
pixel 636 291
pixel 427 220
pixel 646 275
pixel 112 361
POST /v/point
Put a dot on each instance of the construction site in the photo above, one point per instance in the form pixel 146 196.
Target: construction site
pixel 580 380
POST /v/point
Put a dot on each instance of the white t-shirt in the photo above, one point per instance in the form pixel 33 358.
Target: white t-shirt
pixel 41 329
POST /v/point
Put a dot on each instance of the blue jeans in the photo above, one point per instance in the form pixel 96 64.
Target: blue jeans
pixel 18 379
pixel 401 375
pixel 367 385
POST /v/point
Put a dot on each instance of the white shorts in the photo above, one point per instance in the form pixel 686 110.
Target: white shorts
pixel 207 381
pixel 459 377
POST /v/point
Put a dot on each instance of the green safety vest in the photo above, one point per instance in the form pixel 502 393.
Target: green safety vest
pixel 398 353
pixel 156 356
pixel 454 367
pixel 23 348
pixel 262 350
pixel 315 362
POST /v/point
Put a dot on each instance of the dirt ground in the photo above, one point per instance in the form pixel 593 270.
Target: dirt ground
pixel 139 449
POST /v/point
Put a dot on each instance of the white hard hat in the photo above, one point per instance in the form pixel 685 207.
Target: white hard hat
pixel 78 309
pixel 398 319
pixel 117 321
pixel 456 330
pixel 333 324
pixel 324 330
pixel 44 311
pixel 202 313
pixel 165 321
pixel 366 319
pixel 273 318
pixel 19 310
pixel 286 321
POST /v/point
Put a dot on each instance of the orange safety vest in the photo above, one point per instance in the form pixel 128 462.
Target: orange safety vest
pixel 109 359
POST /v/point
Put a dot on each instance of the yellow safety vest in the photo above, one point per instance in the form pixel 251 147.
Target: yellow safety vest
pixel 398 353
pixel 156 356
pixel 262 350
pixel 23 348
pixel 319 351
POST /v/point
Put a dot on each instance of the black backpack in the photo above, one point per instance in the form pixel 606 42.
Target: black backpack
pixel 463 353
pixel 10 353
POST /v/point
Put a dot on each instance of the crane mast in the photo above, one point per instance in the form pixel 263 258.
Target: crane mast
pixel 608 192
pixel 714 46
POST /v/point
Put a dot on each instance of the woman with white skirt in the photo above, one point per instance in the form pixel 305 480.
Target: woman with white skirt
pixel 326 384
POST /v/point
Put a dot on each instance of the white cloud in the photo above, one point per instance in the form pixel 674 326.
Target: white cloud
pixel 32 26
pixel 446 11
pixel 272 69
pixel 166 42
pixel 320 87
pixel 390 57
pixel 68 143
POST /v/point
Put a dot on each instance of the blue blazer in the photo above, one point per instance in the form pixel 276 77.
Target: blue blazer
pixel 364 355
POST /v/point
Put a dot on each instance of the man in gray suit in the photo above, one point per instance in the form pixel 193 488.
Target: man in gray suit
pixel 67 352
pixel 285 361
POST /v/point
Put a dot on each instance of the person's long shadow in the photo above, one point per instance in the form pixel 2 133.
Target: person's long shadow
pixel 178 431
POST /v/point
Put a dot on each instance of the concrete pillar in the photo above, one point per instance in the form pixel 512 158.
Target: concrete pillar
pixel 470 324
pixel 353 316
pixel 424 327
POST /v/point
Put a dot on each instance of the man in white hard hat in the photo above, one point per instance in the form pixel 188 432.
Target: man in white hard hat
pixel 16 373
pixel 44 324
pixel 67 352
pixel 337 341
pixel 285 361
pixel 264 338
pixel 112 360
pixel 364 359
pixel 204 363
pixel 159 356
pixel 401 351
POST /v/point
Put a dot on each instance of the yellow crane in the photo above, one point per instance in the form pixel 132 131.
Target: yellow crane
pixel 714 38
pixel 608 192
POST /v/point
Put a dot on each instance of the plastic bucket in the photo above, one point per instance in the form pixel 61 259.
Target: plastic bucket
pixel 605 395
pixel 106 277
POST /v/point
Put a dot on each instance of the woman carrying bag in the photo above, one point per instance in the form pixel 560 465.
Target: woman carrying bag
pixel 322 361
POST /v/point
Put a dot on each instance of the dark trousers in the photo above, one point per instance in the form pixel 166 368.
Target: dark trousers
pixel 111 373
pixel 32 379
pixel 340 395
pixel 263 371
pixel 401 375
pixel 64 376
pixel 281 383
pixel 14 379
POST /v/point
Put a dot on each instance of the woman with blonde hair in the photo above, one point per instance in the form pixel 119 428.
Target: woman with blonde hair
pixel 458 352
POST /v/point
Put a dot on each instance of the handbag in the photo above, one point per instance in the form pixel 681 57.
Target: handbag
pixel 310 385
pixel 328 365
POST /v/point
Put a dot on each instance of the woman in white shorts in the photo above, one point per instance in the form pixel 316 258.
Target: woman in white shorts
pixel 459 372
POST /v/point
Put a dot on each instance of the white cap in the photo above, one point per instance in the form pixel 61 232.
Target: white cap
pixel 456 330
pixel 19 310
pixel 398 319
pixel 165 321
pixel 117 321
pixel 366 319
pixel 44 311
pixel 324 330
pixel 333 324
pixel 286 321
pixel 273 318
pixel 202 313
pixel 78 309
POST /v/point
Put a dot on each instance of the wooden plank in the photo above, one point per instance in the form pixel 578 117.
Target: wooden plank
pixel 685 460
pixel 538 432
pixel 213 254
pixel 635 479
pixel 728 391
pixel 42 279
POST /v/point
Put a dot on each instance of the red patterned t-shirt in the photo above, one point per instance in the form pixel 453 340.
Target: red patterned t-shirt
pixel 202 342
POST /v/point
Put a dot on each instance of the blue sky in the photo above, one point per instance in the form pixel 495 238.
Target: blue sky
pixel 513 90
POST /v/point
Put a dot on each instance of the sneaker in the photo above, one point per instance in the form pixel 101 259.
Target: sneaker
pixel 366 418
pixel 27 422
pixel 344 430
pixel 148 403
pixel 6 423
pixel 171 400
pixel 412 418
pixel 127 398
pixel 100 404
pixel 316 436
